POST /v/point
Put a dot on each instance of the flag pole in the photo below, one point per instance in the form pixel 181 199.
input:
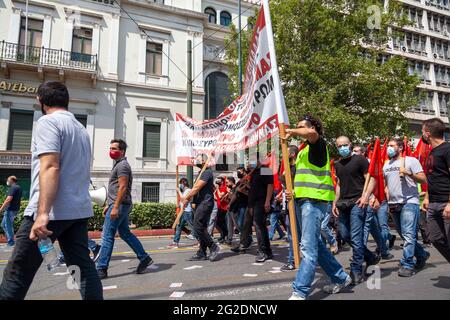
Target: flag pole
pixel 291 205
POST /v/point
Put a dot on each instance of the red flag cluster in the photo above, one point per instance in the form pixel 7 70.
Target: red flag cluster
pixel 376 170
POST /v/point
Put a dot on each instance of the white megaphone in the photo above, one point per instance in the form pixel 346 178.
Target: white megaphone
pixel 98 196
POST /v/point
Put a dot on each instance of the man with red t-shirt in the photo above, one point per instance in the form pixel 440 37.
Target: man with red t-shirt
pixel 222 205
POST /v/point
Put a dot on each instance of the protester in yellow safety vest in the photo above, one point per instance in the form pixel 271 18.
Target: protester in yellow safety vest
pixel 313 188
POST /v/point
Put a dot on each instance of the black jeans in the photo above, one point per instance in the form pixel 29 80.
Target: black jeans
pixel 262 234
pixel 221 223
pixel 201 220
pixel 439 229
pixel 26 259
pixel 246 232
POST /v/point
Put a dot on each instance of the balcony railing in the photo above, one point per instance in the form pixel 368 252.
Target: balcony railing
pixel 40 56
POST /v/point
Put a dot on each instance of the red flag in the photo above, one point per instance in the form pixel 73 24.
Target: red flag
pixel 421 153
pixel 407 149
pixel 376 171
pixel 384 156
pixel 333 173
pixel 369 151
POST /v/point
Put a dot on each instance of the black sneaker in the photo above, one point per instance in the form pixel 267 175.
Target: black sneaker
pixel 96 253
pixel 374 261
pixel 357 278
pixel 388 256
pixel 420 264
pixel 143 265
pixel 392 242
pixel 236 249
pixel 102 273
pixel 405 272
pixel 214 252
pixel 198 257
pixel 261 257
pixel 269 256
pixel 287 267
pixel 228 242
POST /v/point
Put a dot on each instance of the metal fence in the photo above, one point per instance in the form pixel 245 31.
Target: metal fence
pixel 47 57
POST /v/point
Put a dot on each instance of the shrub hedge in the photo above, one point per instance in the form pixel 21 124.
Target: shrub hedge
pixel 146 215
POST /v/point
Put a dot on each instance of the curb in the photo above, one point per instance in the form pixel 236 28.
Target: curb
pixel 137 233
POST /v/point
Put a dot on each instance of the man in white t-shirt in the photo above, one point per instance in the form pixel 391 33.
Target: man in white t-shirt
pixel 186 217
pixel 404 205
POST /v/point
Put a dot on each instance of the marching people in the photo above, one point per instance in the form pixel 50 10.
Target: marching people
pixel 232 225
pixel 11 206
pixel 59 205
pixel 326 231
pixel 437 199
pixel 186 216
pixel 117 212
pixel 222 208
pixel 404 204
pixel 350 206
pixel 313 189
pixel 275 215
pixel 202 195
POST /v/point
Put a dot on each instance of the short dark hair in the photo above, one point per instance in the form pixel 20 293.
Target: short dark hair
pixel 435 126
pixel 231 179
pixel 313 122
pixel 400 143
pixel 185 181
pixel 53 94
pixel 240 168
pixel 293 149
pixel 122 144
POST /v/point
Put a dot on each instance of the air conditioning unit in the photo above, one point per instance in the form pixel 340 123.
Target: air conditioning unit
pixel 404 49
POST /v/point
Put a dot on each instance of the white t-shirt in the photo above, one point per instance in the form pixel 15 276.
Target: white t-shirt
pixel 402 190
pixel 59 132
pixel 188 206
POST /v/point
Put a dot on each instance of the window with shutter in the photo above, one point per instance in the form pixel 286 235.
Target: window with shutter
pixel 20 129
pixel 81 119
pixel 152 139
pixel 150 192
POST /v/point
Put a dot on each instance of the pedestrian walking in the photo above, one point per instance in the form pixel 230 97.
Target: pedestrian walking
pixel 11 207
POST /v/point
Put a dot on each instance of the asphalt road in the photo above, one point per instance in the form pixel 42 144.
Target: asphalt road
pixel 235 277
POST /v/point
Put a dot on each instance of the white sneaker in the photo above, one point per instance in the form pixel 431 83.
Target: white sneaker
pixel 336 288
pixel 296 296
pixel 190 237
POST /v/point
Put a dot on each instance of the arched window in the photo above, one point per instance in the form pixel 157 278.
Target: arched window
pixel 217 94
pixel 225 18
pixel 212 16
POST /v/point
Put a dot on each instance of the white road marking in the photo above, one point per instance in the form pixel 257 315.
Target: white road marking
pixel 61 273
pixel 250 275
pixel 126 260
pixel 275 271
pixel 193 267
pixel 177 294
pixel 243 292
pixel 257 264
pixel 109 287
pixel 276 268
pixel 176 285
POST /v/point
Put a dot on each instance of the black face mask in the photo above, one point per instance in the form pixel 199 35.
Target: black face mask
pixel 240 175
pixel 199 165
pixel 424 140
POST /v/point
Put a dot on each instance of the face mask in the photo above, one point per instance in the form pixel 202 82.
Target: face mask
pixel 181 186
pixel 219 182
pixel 391 152
pixel 240 175
pixel 424 140
pixel 199 165
pixel 8 184
pixel 114 154
pixel 344 151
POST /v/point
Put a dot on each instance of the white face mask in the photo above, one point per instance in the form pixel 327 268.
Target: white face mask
pixel 8 184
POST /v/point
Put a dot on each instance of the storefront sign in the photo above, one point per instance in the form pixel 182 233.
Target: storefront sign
pixel 10 159
pixel 17 87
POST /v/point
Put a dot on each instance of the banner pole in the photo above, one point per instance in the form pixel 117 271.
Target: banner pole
pixel 288 178
pixel 177 220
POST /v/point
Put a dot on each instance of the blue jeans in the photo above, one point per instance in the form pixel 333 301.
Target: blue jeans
pixel 372 226
pixel 240 217
pixel 407 224
pixel 351 225
pixel 186 217
pixel 275 225
pixel 327 234
pixel 109 231
pixel 298 217
pixel 383 215
pixel 314 250
pixel 8 225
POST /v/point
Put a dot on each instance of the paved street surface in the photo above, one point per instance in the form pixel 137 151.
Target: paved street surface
pixel 234 277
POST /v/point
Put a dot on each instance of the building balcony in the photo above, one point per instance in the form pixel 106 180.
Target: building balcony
pixel 40 59
pixel 15 160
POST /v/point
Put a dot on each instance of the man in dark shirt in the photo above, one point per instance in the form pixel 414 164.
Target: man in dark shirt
pixel 437 199
pixel 350 205
pixel 117 211
pixel 11 206
pixel 203 197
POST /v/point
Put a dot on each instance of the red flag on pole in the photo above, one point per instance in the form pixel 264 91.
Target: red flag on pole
pixel 333 173
pixel 407 149
pixel 421 153
pixel 376 171
pixel 384 156
pixel 369 151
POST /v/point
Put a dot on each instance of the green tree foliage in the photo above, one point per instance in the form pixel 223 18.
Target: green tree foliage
pixel 330 63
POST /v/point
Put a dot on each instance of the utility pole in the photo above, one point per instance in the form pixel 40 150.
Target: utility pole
pixel 240 47
pixel 190 171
